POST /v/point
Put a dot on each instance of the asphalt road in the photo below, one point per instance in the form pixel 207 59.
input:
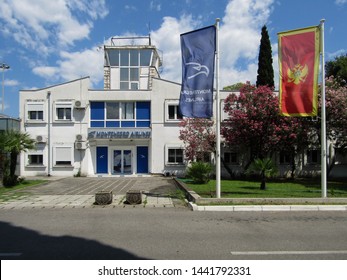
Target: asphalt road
pixel 171 233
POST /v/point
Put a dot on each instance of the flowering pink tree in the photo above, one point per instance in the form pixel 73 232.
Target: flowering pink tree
pixel 254 122
pixel 198 136
pixel 336 118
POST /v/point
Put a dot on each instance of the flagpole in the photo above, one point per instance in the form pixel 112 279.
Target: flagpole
pixel 323 120
pixel 218 161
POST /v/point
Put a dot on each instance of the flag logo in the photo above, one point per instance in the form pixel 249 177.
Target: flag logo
pixel 198 49
pixel 203 69
pixel 298 53
pixel 297 74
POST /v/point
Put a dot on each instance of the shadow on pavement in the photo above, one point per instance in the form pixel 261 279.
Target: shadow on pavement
pixel 21 243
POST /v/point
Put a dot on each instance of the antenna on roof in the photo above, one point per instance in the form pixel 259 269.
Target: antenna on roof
pixel 149 32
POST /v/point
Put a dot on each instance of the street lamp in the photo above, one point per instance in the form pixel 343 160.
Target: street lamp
pixel 4 67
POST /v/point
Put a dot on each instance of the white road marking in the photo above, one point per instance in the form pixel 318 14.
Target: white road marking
pixel 264 253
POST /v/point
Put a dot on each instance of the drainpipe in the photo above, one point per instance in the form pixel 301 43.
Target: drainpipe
pixel 49 133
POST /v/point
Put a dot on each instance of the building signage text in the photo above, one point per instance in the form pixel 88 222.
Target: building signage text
pixel 119 134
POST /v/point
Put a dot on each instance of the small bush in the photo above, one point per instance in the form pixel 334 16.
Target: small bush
pixel 199 172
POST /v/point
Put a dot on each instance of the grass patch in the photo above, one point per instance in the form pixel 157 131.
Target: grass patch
pixel 18 191
pixel 300 188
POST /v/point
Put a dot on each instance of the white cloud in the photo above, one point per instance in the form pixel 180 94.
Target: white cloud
pixel 340 2
pixel 167 39
pixel 74 65
pixel 154 6
pixel 130 7
pixel 11 83
pixel 239 37
pixel 41 25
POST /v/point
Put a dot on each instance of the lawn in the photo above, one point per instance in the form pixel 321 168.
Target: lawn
pixel 18 190
pixel 300 188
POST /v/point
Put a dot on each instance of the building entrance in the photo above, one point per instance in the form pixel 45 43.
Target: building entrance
pixel 122 161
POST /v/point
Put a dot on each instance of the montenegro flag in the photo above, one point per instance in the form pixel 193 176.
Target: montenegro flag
pixel 298 53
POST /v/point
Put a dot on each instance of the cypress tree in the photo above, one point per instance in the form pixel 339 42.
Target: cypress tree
pixel 265 75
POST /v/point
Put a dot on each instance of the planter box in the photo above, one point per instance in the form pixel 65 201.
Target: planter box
pixel 134 197
pixel 103 197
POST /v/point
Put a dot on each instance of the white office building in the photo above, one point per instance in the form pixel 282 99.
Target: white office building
pixel 131 127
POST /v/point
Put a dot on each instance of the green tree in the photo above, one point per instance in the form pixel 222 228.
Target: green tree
pixel 12 143
pixel 265 75
pixel 265 168
pixel 234 87
pixel 338 69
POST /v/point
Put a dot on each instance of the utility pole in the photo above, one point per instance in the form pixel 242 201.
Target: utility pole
pixel 4 67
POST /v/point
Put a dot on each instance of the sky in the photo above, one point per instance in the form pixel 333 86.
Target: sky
pixel 51 42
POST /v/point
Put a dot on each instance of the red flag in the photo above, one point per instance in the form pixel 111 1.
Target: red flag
pixel 299 67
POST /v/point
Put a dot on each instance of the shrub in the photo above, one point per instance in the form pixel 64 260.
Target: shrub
pixel 199 172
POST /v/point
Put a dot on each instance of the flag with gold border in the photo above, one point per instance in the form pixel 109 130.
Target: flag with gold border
pixel 298 52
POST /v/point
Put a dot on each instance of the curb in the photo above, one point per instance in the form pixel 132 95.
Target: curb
pixel 267 208
pixel 280 204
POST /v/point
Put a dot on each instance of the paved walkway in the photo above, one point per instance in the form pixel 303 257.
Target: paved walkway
pixel 80 193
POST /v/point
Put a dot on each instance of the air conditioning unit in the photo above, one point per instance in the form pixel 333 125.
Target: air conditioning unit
pixel 80 104
pixel 80 145
pixel 40 139
pixel 79 137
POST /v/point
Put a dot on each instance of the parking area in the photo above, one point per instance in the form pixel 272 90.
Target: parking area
pixel 80 192
pixel 118 185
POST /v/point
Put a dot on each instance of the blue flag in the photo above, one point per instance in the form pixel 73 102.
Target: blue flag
pixel 198 51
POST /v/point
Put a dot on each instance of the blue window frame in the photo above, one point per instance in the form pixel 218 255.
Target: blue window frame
pixel 120 114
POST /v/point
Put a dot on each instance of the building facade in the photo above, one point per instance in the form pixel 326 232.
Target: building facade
pixel 131 127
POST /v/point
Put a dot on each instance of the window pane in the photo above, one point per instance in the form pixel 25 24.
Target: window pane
pixel 124 85
pixel 124 74
pixel 134 86
pixel 134 74
pixel 145 57
pixel 40 115
pixel 172 155
pixel 32 115
pixel 171 112
pixel 60 113
pixel 134 58
pixel 124 57
pixel 113 56
pixel 128 110
pixel 179 155
pixel 112 110
pixel 68 113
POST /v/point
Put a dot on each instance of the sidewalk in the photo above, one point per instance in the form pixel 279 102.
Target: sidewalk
pixel 71 192
pixel 82 201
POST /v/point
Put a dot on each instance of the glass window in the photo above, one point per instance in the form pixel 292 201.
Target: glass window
pixel 35 159
pixel 230 158
pixel 64 113
pixel 63 155
pixel 35 115
pixel 134 74
pixel 124 74
pixel 124 58
pixel 128 110
pixel 134 58
pixel 112 110
pixel 174 112
pixel 113 56
pixel 145 57
pixel 175 156
pixel 313 157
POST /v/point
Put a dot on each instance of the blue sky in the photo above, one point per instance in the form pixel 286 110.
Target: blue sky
pixel 49 42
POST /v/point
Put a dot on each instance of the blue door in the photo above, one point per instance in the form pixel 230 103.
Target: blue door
pixel 101 160
pixel 142 159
